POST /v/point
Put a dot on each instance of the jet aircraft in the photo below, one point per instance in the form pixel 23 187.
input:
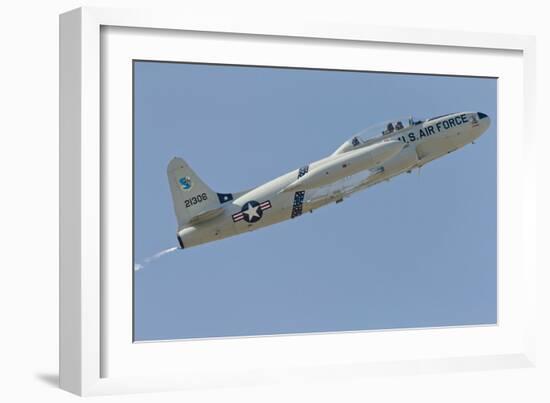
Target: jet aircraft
pixel 374 155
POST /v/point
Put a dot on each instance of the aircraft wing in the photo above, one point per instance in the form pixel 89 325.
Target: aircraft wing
pixel 341 189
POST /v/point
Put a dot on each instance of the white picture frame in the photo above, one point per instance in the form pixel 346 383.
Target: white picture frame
pixel 86 345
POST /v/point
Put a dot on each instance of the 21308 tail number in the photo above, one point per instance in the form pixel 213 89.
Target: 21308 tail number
pixel 196 200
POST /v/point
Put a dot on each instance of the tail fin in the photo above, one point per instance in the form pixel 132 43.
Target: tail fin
pixel 192 198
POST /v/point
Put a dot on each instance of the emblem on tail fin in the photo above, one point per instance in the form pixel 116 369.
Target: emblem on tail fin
pixel 185 183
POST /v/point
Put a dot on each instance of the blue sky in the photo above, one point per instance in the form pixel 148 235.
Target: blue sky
pixel 417 251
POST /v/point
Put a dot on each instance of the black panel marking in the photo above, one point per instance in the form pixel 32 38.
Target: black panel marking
pixel 225 197
pixel 298 203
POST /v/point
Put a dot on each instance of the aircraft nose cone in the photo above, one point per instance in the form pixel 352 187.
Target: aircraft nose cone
pixel 484 121
pixel 481 115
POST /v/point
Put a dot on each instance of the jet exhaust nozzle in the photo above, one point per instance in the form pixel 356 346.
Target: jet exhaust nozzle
pixel 180 242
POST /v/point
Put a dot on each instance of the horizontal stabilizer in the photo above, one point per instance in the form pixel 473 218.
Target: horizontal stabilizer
pixel 206 215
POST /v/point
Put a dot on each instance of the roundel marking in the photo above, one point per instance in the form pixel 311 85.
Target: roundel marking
pixel 252 211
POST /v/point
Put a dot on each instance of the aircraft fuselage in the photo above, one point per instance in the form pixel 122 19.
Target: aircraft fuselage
pixel 296 192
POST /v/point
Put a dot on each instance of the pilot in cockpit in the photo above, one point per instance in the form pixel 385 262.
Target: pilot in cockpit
pixel 389 128
pixel 399 126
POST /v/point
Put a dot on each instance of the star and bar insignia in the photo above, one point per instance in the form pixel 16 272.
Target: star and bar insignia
pixel 251 211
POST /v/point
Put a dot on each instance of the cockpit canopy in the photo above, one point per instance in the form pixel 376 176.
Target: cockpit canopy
pixel 377 132
pixel 387 127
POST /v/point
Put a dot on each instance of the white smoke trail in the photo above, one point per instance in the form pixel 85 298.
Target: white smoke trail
pixel 146 261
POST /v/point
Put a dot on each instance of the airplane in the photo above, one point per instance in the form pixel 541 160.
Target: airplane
pixel 373 155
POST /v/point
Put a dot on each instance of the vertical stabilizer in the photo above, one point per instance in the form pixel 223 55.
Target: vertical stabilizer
pixel 190 195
